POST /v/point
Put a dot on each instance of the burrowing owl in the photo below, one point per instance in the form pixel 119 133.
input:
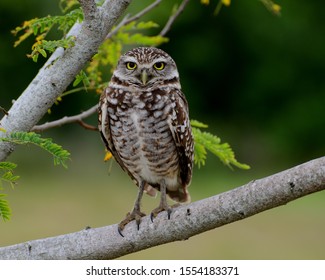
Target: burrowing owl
pixel 144 122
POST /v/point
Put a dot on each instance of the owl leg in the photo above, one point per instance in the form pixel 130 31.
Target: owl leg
pixel 163 206
pixel 135 214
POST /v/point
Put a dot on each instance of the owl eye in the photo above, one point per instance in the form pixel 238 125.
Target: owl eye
pixel 131 65
pixel 159 66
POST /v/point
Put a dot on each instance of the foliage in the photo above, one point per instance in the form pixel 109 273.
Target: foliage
pixel 206 141
pixel 40 27
pixel 6 175
pixel 60 156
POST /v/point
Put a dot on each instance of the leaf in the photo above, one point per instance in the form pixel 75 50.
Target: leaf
pixel 5 211
pixel 205 141
pixel 60 156
pixel 146 25
pixel 41 26
pixel 195 123
pixel 7 165
pixel 81 77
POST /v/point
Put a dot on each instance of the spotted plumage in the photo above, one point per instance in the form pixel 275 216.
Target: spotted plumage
pixel 144 123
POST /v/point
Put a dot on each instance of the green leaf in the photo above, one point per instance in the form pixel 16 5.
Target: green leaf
pixel 81 77
pixel 5 211
pixel 60 156
pixel 205 141
pixel 146 25
pixel 195 123
pixel 7 165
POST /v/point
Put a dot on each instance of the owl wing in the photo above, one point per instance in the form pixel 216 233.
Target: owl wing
pixel 182 134
pixel 105 132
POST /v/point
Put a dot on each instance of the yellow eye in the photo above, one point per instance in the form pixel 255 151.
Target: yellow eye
pixel 159 66
pixel 131 65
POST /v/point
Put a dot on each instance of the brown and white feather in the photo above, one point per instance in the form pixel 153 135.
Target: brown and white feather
pixel 147 127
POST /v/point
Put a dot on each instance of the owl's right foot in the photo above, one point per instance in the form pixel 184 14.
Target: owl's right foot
pixel 136 215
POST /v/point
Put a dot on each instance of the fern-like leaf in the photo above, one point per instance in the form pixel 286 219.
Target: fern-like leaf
pixel 60 155
pixel 6 173
pixel 206 141
pixel 5 211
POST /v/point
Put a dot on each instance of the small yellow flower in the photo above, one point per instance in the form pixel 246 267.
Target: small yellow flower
pixel 276 8
pixel 205 2
pixel 226 2
pixel 108 156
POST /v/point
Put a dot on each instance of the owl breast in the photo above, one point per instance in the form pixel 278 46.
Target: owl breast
pixel 140 131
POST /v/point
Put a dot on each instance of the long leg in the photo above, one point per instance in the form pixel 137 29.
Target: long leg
pixel 135 214
pixel 163 205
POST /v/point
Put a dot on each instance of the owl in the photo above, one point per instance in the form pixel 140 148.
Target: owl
pixel 144 123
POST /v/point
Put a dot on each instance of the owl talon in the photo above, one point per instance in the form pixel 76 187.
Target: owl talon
pixel 119 230
pixel 159 209
pixel 134 215
pixel 169 212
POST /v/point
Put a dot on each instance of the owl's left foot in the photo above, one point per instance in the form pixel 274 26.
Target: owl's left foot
pixel 162 207
pixel 134 215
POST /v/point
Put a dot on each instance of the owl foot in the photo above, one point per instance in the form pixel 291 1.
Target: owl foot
pixel 159 209
pixel 134 215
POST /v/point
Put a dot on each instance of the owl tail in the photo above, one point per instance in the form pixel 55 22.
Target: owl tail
pixel 181 195
pixel 149 190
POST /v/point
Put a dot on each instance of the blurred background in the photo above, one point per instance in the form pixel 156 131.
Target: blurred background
pixel 256 79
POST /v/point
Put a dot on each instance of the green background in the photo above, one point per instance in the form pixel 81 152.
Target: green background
pixel 256 79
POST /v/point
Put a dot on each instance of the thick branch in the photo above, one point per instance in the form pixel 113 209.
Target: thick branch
pixel 186 221
pixel 60 69
pixel 89 8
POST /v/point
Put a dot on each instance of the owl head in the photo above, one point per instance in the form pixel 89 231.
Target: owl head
pixel 146 66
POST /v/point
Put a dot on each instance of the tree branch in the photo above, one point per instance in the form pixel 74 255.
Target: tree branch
pixel 126 20
pixel 61 68
pixel 89 8
pixel 173 17
pixel 186 221
pixel 65 120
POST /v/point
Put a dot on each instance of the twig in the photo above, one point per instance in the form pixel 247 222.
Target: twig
pixel 186 221
pixel 4 110
pixel 127 19
pixel 77 118
pixel 145 10
pixel 122 23
pixel 87 126
pixel 173 17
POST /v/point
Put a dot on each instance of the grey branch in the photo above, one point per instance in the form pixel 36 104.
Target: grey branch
pixel 173 17
pixel 61 68
pixel 186 221
pixel 127 19
pixel 65 120
pixel 89 8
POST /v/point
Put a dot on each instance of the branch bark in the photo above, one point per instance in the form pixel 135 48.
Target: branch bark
pixel 186 221
pixel 61 68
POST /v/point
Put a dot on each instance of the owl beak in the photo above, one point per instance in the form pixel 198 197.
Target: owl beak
pixel 144 77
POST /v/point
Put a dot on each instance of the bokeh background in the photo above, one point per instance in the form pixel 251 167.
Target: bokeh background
pixel 259 82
